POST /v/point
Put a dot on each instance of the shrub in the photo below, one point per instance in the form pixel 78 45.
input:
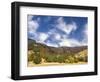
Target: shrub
pixel 80 59
pixel 37 59
pixel 50 58
pixel 71 59
pixel 75 60
pixel 30 57
pixel 61 59
pixel 36 49
pixel 83 59
pixel 67 61
pixel 55 59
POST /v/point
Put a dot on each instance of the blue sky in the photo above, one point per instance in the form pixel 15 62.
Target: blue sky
pixel 58 31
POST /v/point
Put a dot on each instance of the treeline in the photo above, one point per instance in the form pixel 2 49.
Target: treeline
pixel 37 54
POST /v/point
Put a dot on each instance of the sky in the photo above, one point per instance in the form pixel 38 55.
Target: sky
pixel 58 31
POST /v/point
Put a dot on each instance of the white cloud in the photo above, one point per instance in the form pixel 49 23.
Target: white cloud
pixel 64 43
pixel 69 42
pixel 54 34
pixel 85 35
pixel 33 25
pixel 58 39
pixel 61 39
pixel 57 36
pixel 73 42
pixel 86 30
pixel 41 37
pixel 63 26
pixel 48 43
pixel 52 45
pixel 52 31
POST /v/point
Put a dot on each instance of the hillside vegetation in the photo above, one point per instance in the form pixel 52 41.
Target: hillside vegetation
pixel 40 53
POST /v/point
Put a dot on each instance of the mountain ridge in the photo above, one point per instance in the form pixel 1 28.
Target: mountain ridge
pixel 56 50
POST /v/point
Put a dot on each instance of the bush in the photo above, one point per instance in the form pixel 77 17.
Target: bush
pixel 83 59
pixel 71 59
pixel 37 59
pixel 36 49
pixel 50 58
pixel 61 59
pixel 67 61
pixel 80 59
pixel 75 60
pixel 30 57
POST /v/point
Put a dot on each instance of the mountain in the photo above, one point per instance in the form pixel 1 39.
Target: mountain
pixel 54 50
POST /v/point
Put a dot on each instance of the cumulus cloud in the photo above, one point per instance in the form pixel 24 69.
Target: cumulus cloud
pixel 32 26
pixel 65 42
pixel 85 30
pixel 48 43
pixel 57 36
pixel 70 42
pixel 63 26
pixel 41 37
pixel 58 39
pixel 85 35
pixel 54 35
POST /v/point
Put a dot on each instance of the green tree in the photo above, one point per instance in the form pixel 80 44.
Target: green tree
pixel 37 60
pixel 61 59
pixel 37 57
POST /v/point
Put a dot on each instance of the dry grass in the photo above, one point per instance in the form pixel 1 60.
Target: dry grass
pixel 31 64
